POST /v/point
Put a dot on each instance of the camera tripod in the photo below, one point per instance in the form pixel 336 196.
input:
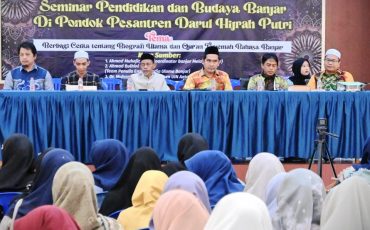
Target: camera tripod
pixel 322 151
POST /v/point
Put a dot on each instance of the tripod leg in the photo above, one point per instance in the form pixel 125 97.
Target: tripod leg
pixel 330 160
pixel 312 155
pixel 320 150
pixel 311 159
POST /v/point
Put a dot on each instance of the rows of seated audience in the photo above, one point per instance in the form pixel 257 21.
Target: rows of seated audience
pixel 200 191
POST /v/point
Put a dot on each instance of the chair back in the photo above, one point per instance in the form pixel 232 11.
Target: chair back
pixel 111 83
pixel 171 84
pixel 235 83
pixel 244 83
pixel 115 214
pixel 180 84
pixel 100 198
pixel 6 198
pixel 57 82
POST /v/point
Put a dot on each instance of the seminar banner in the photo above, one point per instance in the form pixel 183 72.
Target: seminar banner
pixel 117 32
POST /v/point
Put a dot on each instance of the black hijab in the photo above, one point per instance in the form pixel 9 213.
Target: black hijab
pixel 172 168
pixel 119 197
pixel 189 145
pixel 298 78
pixel 17 171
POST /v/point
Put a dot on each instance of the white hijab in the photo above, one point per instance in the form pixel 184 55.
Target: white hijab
pixel 347 205
pixel 298 200
pixel 239 211
pixel 261 169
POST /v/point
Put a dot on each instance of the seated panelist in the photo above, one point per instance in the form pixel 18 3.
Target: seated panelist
pixel 147 78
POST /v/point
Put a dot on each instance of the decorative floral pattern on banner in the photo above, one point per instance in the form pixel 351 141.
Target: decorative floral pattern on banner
pixel 116 33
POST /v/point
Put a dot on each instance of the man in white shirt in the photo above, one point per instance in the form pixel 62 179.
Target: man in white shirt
pixel 147 78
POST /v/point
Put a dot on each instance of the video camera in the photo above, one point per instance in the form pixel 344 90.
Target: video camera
pixel 322 125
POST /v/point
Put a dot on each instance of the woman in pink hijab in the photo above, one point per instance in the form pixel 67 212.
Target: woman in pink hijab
pixel 178 209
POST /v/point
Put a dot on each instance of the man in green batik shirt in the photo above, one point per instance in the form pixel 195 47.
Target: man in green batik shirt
pixel 332 73
pixel 268 79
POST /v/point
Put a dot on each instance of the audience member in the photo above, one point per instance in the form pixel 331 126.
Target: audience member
pixel 209 76
pixel 73 190
pixel 173 167
pixel 301 71
pixel 190 182
pixel 189 145
pixel 217 173
pixel 299 200
pixel 147 78
pixel 21 76
pixel 179 209
pixel 110 158
pixel 239 211
pixel 46 217
pixel 81 61
pixel 119 197
pixel 17 171
pixel 40 193
pixel 332 73
pixel 145 196
pixel 364 164
pixel 261 169
pixel 347 205
pixel 365 156
pixel 268 79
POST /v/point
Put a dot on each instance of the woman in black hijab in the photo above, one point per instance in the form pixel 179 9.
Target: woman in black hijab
pixel 301 70
pixel 17 171
pixel 119 197
pixel 172 168
pixel 189 145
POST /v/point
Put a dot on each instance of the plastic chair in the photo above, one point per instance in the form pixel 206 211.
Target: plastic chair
pixel 244 83
pixel 6 198
pixel 111 83
pixel 180 84
pixel 57 81
pixel 235 83
pixel 115 214
pixel 171 84
pixel 100 198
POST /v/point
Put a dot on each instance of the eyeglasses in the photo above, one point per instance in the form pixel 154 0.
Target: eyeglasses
pixel 331 60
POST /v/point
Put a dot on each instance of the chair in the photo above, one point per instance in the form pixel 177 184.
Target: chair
pixel 115 214
pixel 235 83
pixel 100 198
pixel 57 81
pixel 6 198
pixel 171 84
pixel 244 83
pixel 180 84
pixel 111 83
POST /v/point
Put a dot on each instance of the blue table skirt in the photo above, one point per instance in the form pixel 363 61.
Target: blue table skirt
pixel 74 120
pixel 239 123
pixel 243 123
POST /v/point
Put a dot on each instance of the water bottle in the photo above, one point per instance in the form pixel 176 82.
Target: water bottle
pixel 319 85
pixel 213 86
pixel 80 84
pixel 130 85
pixel 32 84
pixel 260 84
